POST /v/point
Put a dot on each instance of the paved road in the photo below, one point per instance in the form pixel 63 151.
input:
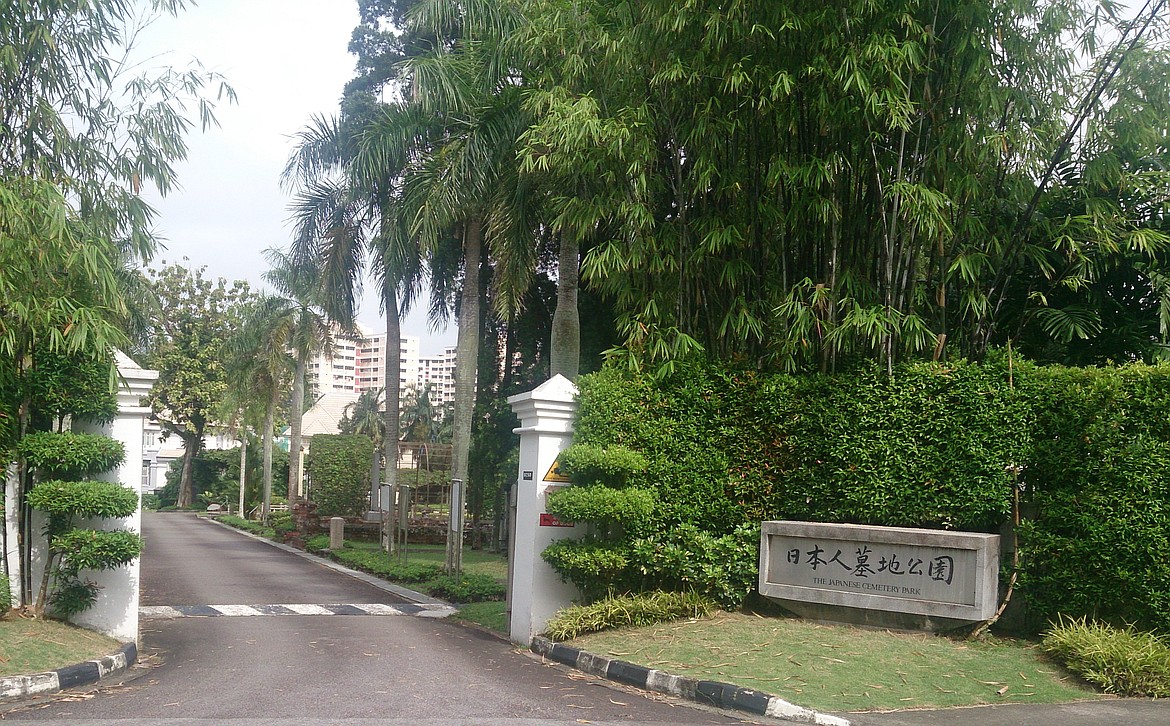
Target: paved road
pixel 344 670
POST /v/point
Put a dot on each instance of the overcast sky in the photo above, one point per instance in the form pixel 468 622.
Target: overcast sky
pixel 287 61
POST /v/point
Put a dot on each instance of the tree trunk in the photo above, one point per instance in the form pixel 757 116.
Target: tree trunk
pixel 191 446
pixel 296 412
pixel 466 360
pixel 566 323
pixel 243 467
pixel 266 476
pixel 393 368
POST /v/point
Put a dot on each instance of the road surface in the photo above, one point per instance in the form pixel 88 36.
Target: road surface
pixel 263 663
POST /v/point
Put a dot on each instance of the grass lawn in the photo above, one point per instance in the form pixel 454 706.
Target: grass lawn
pixel 482 562
pixel 488 614
pixel 839 668
pixel 30 646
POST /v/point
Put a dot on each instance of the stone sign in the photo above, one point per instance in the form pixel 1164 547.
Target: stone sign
pixel 825 570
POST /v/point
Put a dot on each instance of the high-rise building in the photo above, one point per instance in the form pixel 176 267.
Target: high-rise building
pixel 439 371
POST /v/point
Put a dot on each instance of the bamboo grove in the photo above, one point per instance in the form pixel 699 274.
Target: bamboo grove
pixel 804 183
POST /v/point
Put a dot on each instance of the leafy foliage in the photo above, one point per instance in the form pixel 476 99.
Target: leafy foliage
pixel 609 509
pixel 1121 661
pixel 75 385
pixel 596 567
pixel 91 549
pixel 647 608
pixel 85 499
pixel 935 445
pixel 70 455
pixel 803 185
pixel 612 467
pixel 724 569
pixel 339 467
pixel 188 349
pixel 1097 488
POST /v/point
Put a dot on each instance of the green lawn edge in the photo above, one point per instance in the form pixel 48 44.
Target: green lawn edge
pixel 841 668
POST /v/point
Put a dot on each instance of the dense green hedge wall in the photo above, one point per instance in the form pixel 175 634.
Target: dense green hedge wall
pixel 935 445
pixel 339 468
pixel 1096 542
pixel 930 447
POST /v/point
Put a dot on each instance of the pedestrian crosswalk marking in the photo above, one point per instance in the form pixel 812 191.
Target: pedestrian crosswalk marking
pixel 170 612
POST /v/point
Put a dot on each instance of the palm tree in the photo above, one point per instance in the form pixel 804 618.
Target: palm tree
pixel 467 183
pixel 304 316
pixel 347 211
pixel 261 369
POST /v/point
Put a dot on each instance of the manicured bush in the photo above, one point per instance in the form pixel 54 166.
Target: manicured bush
pixel 724 569
pixel 611 511
pixel 596 567
pixel 935 445
pixel 1121 661
pixel 613 466
pixel 72 550
pixel 627 610
pixel 70 455
pixel 339 468
pixel 64 500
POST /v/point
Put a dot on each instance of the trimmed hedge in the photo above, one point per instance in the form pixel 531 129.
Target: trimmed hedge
pixel 70 455
pixel 1097 538
pixel 339 468
pixel 937 445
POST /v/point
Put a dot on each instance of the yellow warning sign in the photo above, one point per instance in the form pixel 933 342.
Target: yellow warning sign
pixel 554 472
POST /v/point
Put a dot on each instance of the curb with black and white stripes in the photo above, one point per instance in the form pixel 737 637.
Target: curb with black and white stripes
pixel 711 693
pixel 81 674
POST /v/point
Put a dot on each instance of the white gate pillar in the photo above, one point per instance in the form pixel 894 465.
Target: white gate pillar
pixel 536 591
pixel 116 611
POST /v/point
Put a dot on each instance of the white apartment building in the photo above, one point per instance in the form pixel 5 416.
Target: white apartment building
pixel 359 365
pixel 439 371
pixel 336 373
pixel 371 362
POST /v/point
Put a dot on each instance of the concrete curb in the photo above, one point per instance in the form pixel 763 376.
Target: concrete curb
pixel 82 674
pixel 710 693
pixel 402 592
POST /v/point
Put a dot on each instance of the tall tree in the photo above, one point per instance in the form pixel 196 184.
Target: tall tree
pixel 195 319
pixel 80 136
pixel 260 376
pixel 304 314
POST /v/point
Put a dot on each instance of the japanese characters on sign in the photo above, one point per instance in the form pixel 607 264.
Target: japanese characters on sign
pixel 861 567
pixel 926 572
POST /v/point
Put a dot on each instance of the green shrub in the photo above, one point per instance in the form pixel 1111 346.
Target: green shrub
pixel 611 510
pixel 613 466
pixel 89 549
pixel 73 597
pixel 595 567
pixel 252 527
pixel 66 499
pixel 70 455
pixel 318 543
pixel 724 569
pixel 468 587
pixel 1121 661
pixel 71 550
pixel 1096 490
pixel 339 468
pixel 281 523
pixel 627 610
